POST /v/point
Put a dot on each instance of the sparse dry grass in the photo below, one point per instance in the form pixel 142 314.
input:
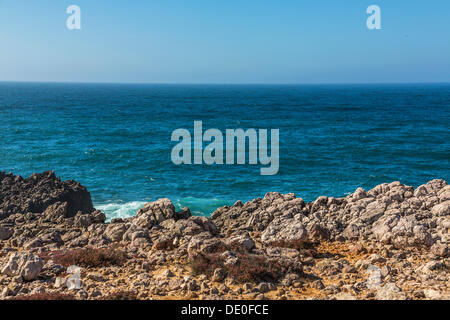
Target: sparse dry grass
pixel 88 257
pixel 249 267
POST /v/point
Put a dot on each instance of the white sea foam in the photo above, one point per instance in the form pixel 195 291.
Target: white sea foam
pixel 198 207
pixel 120 210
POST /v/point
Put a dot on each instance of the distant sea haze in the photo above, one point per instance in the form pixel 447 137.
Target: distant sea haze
pixel 116 138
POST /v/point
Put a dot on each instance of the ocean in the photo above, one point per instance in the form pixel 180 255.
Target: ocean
pixel 115 139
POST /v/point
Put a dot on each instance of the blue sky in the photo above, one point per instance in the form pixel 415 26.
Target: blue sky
pixel 233 41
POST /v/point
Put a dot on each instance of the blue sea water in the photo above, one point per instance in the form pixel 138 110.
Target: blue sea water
pixel 116 138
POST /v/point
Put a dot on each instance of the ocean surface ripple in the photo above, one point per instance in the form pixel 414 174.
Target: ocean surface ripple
pixel 115 139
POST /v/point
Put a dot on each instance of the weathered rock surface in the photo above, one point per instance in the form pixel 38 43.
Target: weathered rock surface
pixel 390 292
pixel 391 213
pixel 36 193
pixel 390 242
pixel 25 265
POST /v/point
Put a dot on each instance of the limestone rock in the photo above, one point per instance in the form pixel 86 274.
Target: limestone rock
pixel 390 291
pixel 285 229
pixel 26 265
pixel 6 233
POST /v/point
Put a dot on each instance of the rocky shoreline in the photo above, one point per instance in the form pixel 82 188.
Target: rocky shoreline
pixel 391 242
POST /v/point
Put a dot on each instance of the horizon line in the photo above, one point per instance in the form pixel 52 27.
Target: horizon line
pixel 227 83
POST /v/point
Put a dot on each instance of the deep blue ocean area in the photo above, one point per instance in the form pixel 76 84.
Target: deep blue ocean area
pixel 116 138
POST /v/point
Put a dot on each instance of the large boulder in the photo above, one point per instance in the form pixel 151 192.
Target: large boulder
pixel 202 244
pixel 442 209
pixel 257 214
pixel 402 232
pixel 56 211
pixel 115 231
pixel 5 233
pixel 390 291
pixel 241 242
pixel 154 213
pixel 285 229
pixel 26 265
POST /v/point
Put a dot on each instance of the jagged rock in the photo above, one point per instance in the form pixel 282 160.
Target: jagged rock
pixel 408 232
pixel 33 243
pixel 257 214
pixel 317 232
pixel 376 258
pixel 205 223
pixel 444 194
pixel 351 232
pixel 203 244
pixel 185 213
pixel 98 216
pixel 154 213
pixel 115 231
pixel 440 250
pixel 442 209
pixel 219 275
pixel 188 227
pixel 6 233
pixel 434 294
pixel 285 229
pixel 134 232
pixel 392 227
pixel 26 265
pixel 390 291
pixel 56 211
pixel 263 287
pixel 244 242
pixel 391 213
pixel 39 191
pixel 163 243
pixel 95 276
pixel 60 282
pixel 434 265
pixel 83 220
pixel 168 274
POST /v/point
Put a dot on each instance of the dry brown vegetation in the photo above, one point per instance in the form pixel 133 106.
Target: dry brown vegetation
pixel 248 268
pixel 87 257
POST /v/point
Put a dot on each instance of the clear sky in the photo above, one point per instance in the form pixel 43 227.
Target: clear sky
pixel 225 41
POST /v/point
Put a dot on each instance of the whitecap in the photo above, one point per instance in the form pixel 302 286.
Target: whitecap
pixel 120 210
pixel 198 207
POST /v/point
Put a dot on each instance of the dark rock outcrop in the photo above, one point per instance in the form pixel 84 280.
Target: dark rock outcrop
pixel 40 191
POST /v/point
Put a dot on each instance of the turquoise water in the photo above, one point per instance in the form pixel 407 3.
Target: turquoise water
pixel 115 139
